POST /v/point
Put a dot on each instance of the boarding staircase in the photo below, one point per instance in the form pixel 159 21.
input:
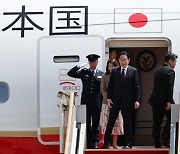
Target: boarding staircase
pixel 72 124
pixel 73 140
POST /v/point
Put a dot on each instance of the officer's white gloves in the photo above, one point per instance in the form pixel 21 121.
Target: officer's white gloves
pixel 82 65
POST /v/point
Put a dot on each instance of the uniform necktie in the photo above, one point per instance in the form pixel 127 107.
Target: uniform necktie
pixel 122 73
pixel 92 73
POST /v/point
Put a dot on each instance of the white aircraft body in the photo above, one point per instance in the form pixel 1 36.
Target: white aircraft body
pixel 41 40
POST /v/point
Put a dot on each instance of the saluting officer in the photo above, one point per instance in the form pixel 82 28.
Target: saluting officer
pixel 90 96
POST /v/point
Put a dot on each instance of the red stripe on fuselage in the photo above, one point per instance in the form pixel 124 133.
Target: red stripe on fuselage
pixel 28 145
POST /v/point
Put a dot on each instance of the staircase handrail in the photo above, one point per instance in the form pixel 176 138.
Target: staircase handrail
pixel 69 124
pixel 179 132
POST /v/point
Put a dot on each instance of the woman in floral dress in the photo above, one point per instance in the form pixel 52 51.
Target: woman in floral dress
pixel 118 126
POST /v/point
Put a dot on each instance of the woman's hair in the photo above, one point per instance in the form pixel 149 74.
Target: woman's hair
pixel 109 62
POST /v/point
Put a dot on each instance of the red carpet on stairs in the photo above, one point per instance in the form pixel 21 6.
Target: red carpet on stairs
pixel 127 151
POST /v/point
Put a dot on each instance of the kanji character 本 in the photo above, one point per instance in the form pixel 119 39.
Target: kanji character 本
pixel 22 15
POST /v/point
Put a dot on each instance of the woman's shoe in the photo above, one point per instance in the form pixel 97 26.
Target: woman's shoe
pixel 105 147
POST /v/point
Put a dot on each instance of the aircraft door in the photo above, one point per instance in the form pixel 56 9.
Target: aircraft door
pixel 56 55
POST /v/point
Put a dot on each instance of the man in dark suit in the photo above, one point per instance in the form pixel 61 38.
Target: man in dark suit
pixel 124 93
pixel 90 97
pixel 162 98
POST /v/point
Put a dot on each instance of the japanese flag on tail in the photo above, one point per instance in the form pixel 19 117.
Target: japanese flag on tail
pixel 138 20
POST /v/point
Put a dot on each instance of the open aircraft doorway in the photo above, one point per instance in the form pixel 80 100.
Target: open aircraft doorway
pixel 146 54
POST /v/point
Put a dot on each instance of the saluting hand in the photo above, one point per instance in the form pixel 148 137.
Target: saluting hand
pixel 82 65
pixel 109 102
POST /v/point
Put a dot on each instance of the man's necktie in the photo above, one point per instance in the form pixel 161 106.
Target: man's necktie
pixel 122 74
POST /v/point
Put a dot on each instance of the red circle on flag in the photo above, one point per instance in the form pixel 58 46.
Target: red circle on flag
pixel 138 20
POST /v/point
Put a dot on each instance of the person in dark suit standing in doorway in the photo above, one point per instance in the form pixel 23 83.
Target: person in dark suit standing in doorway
pixel 90 97
pixel 162 98
pixel 123 94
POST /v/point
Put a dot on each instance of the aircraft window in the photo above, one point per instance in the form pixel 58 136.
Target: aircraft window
pixel 66 59
pixel 4 92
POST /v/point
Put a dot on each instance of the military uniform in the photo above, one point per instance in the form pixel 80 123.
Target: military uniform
pixel 91 97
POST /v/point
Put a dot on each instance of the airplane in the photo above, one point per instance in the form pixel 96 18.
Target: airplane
pixel 41 40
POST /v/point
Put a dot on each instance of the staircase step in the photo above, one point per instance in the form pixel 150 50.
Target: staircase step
pixel 134 150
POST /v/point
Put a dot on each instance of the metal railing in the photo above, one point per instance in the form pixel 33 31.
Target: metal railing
pixel 178 145
pixel 70 124
pixel 63 114
pixel 175 129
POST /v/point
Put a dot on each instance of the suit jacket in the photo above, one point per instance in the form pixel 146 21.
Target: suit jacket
pixel 91 85
pixel 127 90
pixel 163 86
pixel 104 86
